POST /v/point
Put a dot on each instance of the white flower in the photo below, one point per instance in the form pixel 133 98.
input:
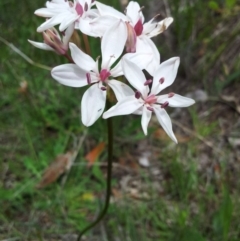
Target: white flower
pixel 53 40
pixel 139 33
pixel 85 72
pixel 66 13
pixel 145 101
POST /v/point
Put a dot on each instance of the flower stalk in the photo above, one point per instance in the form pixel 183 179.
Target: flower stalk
pixel 109 178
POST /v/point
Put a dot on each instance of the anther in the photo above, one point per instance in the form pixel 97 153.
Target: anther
pixel 140 10
pixel 148 82
pixel 161 81
pixel 137 94
pixel 165 105
pixel 170 95
pixel 85 7
pixel 103 88
pixel 88 78
pixel 150 108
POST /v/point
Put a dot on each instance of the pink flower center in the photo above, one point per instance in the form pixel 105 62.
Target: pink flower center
pixel 104 74
pixel 79 9
pixel 138 27
pixel 151 99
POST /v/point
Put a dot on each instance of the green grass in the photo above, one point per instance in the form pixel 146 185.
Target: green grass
pixel 188 200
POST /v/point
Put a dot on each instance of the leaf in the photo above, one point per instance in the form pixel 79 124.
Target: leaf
pixel 93 155
pixel 61 164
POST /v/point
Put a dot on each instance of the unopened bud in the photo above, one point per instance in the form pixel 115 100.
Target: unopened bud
pixel 53 39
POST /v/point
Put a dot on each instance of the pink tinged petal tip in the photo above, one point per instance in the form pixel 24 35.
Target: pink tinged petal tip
pixel 138 27
pixel 131 39
pixel 79 9
pixel 150 108
pixel 148 82
pixel 161 81
pixel 137 94
pixel 165 105
pixel 170 95
pixel 104 74
pixel 88 78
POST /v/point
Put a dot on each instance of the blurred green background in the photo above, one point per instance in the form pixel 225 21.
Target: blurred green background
pixel 188 192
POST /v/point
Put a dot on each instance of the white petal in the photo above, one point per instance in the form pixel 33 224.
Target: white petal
pixel 85 26
pixel 93 104
pixel 70 75
pixel 40 45
pixel 120 89
pixel 124 107
pixel 165 121
pixel 166 70
pixel 68 33
pixel 81 59
pixel 176 100
pixel 140 59
pixel 146 116
pixel 106 10
pixel 52 22
pixel 46 12
pixel 117 70
pixel 68 20
pixel 146 45
pixel 135 76
pixel 113 43
pixel 134 13
pixel 101 24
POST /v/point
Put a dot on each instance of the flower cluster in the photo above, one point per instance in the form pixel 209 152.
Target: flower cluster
pixel 126 49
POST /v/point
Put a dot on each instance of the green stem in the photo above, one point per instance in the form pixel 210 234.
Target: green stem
pixel 109 178
pixel 86 43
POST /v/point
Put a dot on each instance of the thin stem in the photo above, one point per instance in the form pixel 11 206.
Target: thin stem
pixel 86 44
pixel 109 178
pixel 69 58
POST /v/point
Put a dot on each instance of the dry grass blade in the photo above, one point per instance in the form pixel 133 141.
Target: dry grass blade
pixel 24 56
pixel 61 164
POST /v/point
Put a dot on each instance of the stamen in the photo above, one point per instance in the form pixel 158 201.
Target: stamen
pixel 88 78
pixel 85 7
pixel 148 82
pixel 150 108
pixel 170 95
pixel 161 81
pixel 140 10
pixel 165 105
pixel 137 94
pixel 103 88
